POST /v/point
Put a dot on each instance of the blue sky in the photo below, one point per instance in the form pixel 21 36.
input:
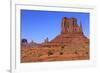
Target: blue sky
pixel 37 25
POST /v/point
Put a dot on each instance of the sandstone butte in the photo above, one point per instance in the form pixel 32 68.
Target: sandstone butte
pixel 70 44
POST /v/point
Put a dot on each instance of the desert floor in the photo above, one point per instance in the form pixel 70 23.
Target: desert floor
pixel 53 54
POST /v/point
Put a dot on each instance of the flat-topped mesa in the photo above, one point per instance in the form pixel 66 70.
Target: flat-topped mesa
pixel 69 25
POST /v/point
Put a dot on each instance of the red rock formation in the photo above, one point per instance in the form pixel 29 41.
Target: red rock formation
pixel 69 25
pixel 71 35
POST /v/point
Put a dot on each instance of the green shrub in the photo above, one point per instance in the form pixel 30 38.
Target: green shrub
pixel 76 52
pixel 87 53
pixel 61 53
pixel 34 55
pixel 40 54
pixel 50 53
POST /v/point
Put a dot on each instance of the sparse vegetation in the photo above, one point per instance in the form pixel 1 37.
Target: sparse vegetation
pixel 34 55
pixel 61 53
pixel 76 52
pixel 39 55
pixel 87 53
pixel 50 53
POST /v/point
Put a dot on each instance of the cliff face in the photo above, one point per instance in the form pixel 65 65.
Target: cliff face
pixel 69 25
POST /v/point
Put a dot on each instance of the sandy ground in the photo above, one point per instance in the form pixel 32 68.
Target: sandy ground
pixel 53 54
